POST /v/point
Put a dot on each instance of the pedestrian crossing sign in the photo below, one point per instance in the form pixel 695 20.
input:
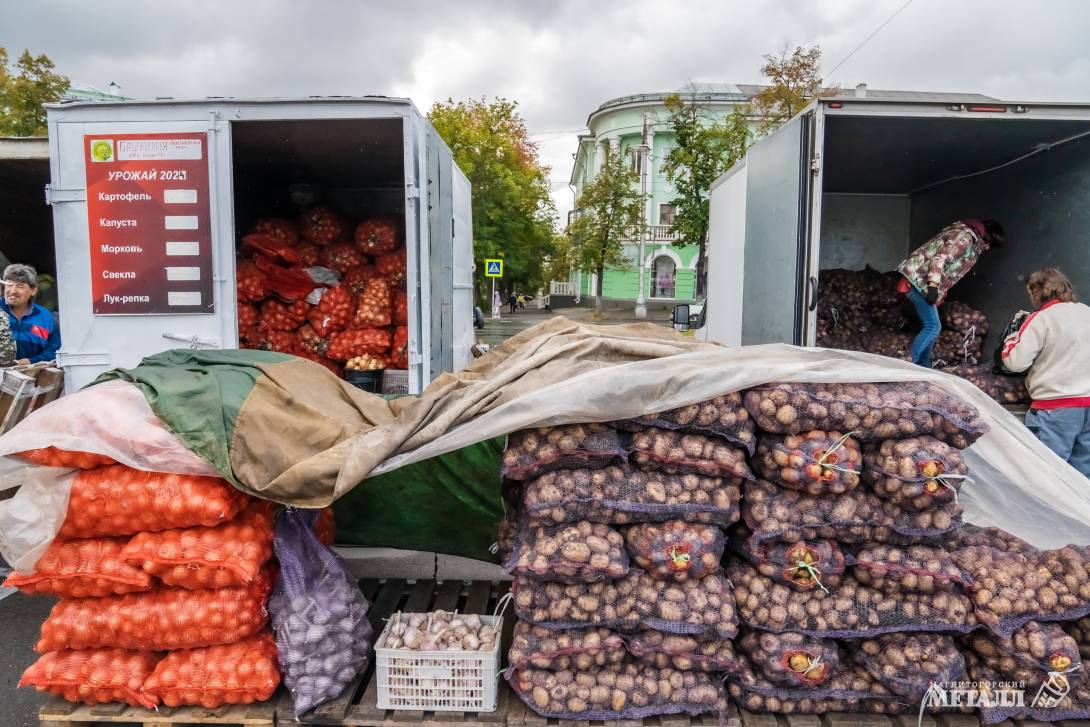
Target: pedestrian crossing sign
pixel 493 268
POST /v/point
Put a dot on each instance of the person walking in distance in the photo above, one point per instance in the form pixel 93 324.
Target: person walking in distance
pixel 935 267
pixel 1053 344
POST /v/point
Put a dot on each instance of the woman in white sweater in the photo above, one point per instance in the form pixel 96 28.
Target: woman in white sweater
pixel 1053 342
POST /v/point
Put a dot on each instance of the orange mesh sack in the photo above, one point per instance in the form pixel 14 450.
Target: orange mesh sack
pixel 239 673
pixel 160 620
pixel 120 500
pixel 53 457
pixel 82 569
pixel 218 557
pixel 325 527
pixel 94 676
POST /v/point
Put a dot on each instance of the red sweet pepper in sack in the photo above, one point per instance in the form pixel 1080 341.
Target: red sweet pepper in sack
pixel 271 247
pixel 83 568
pixel 94 676
pixel 239 673
pixel 120 500
pixel 218 557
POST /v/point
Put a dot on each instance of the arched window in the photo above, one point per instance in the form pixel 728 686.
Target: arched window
pixel 664 277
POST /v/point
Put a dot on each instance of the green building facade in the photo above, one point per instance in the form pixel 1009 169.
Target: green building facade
pixel 620 124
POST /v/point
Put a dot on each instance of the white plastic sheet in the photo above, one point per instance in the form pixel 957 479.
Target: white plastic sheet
pixel 112 419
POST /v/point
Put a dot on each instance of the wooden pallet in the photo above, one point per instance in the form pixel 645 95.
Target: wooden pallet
pixel 58 713
pixel 358 706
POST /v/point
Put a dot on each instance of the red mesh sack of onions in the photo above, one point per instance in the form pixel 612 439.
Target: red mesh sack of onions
pixel 401 307
pixel 341 256
pixel 309 254
pixel 280 341
pixel 377 235
pixel 392 267
pixel 120 500
pixel 84 568
pixel 247 316
pixel 212 676
pixel 251 283
pixel 309 342
pixel 322 226
pixel 279 228
pixel 374 309
pixel 399 349
pixel 277 316
pixel 356 342
pixel 94 676
pixel 159 620
pixel 218 557
pixel 356 278
pixel 53 457
pixel 333 312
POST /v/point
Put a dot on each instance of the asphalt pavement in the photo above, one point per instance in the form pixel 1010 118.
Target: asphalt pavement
pixel 21 619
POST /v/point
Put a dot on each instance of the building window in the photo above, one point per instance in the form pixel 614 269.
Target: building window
pixel 635 160
pixel 667 213
pixel 664 279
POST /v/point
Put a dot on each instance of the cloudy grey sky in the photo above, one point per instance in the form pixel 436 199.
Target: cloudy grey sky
pixel 558 59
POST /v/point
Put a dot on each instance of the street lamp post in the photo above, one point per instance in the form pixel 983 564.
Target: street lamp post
pixel 641 300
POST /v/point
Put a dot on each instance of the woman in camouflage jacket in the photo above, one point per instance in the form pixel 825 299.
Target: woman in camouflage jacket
pixel 935 266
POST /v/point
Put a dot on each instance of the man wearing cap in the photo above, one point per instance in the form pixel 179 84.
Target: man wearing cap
pixel 36 333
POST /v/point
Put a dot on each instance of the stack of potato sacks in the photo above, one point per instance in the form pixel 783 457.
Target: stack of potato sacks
pixel 163 581
pixel 623 611
pixel 856 584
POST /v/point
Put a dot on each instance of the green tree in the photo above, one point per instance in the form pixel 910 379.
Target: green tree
pixel 794 80
pixel 609 208
pixel 513 212
pixel 704 148
pixel 23 89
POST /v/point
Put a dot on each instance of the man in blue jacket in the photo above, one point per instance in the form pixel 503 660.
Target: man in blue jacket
pixel 35 330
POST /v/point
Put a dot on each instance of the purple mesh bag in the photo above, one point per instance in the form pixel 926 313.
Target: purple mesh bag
pixel 683 652
pixel 790 659
pixel 724 416
pixel 581 552
pixel 851 610
pixel 915 474
pixel 532 452
pixel 318 613
pixel 674 452
pixel 628 690
pixel 907 664
pixel 1048 698
pixel 775 513
pixel 908 569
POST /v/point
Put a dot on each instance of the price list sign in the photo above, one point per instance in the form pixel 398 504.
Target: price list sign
pixel 150 223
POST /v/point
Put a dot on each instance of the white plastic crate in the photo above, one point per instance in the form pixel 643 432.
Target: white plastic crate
pixel 438 681
pixel 395 381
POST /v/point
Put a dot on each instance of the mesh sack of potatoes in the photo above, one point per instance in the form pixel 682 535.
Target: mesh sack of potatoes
pixel 530 452
pixel 676 452
pixel 570 649
pixel 1046 698
pixel 915 474
pixel 629 690
pixel 676 550
pixel 723 416
pixel 791 660
pixel 1034 650
pixel 848 611
pixel 802 565
pixel 995 538
pixel 685 652
pixel 953 348
pixel 580 552
pixel 815 462
pixel 911 569
pixel 871 412
pixel 1010 588
pixel 775 513
pixel 957 316
pixel 1002 388
pixel 907 664
pixel 705 606
pixel 851 690
pixel 623 495
pixel 1079 630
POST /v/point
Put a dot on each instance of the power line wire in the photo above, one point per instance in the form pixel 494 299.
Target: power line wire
pixel 868 38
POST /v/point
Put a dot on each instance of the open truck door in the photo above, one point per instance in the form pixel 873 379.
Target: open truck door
pixel 778 291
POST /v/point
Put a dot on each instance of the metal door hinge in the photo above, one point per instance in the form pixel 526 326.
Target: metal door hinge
pixel 54 195
pixel 815 163
pixel 412 191
pixel 194 342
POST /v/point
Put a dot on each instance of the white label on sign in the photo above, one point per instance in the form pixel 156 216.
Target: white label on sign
pixel 183 297
pixel 183 273
pixel 183 248
pixel 180 196
pixel 132 150
pixel 181 222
